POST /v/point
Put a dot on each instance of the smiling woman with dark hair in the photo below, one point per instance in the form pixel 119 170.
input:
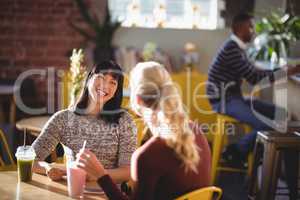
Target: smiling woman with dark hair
pixel 96 117
pixel 111 111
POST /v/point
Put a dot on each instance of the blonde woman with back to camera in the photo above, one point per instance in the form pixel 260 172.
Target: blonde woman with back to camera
pixel 174 161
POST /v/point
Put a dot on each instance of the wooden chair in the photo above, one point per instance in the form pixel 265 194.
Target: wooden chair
pixel 3 165
pixel 218 142
pixel 207 193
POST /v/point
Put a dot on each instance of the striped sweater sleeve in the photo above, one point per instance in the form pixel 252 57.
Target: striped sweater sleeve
pixel 251 73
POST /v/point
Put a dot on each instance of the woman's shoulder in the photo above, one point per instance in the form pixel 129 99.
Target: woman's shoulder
pixel 64 114
pixel 125 117
pixel 153 155
pixel 153 146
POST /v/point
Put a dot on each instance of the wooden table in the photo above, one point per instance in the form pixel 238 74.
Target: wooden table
pixel 33 125
pixel 274 144
pixel 40 188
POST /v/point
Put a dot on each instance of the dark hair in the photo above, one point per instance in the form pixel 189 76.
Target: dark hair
pixel 239 19
pixel 111 111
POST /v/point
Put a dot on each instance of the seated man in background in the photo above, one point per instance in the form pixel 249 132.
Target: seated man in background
pixel 230 67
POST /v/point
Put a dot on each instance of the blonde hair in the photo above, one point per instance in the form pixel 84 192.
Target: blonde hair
pixel 152 83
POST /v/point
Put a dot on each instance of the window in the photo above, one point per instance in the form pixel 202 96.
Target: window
pixel 202 14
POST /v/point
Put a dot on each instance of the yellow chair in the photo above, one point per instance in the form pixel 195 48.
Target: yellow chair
pixel 192 88
pixel 3 166
pixel 65 88
pixel 141 127
pixel 218 142
pixel 207 193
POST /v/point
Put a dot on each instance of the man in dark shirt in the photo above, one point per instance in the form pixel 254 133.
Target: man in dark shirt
pixel 230 67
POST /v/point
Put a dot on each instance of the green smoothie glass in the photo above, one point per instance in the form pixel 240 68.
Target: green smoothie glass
pixel 25 157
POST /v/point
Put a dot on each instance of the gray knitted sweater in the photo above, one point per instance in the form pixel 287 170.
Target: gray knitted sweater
pixel 113 144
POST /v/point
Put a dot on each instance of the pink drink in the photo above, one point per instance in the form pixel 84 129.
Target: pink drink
pixel 76 180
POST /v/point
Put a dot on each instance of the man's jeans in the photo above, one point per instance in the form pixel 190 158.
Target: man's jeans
pixel 240 109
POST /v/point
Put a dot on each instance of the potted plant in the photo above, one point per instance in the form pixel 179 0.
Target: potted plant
pixel 102 32
pixel 274 35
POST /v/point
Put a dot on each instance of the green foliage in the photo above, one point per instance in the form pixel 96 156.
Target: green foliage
pixel 274 34
pixel 78 73
pixel 149 51
pixel 103 32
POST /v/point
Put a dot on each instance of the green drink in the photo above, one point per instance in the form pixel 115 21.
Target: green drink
pixel 25 157
pixel 25 170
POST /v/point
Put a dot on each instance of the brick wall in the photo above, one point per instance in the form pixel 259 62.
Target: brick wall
pixel 37 34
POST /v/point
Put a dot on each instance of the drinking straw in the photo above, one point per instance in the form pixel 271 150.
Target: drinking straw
pixel 297 133
pixel 81 150
pixel 24 137
pixel 83 146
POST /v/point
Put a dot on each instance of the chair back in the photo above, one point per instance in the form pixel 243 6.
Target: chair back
pixel 141 127
pixel 65 89
pixel 3 165
pixel 207 193
pixel 192 88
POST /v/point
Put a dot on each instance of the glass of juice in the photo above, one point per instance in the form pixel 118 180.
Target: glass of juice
pixel 25 157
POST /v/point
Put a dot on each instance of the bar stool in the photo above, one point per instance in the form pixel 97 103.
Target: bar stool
pixel 218 141
pixel 272 144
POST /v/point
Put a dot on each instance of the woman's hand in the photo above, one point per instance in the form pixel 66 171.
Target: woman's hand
pixel 89 163
pixel 55 174
pixel 90 178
